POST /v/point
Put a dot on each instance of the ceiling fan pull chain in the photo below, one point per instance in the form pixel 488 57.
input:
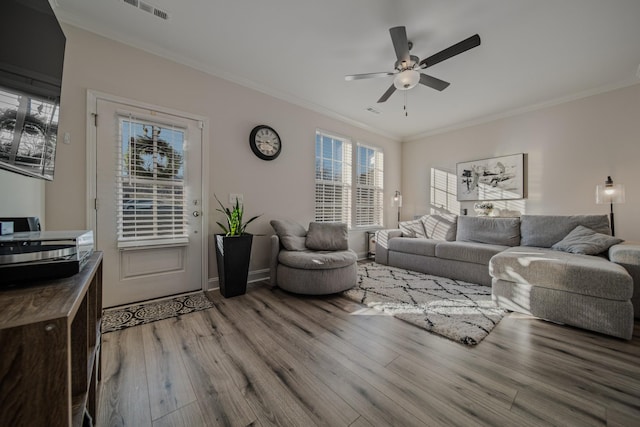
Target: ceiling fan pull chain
pixel 406 113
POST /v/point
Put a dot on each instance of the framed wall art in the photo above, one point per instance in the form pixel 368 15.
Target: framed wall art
pixel 498 178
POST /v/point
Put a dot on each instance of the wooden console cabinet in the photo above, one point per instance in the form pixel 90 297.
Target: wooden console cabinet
pixel 50 349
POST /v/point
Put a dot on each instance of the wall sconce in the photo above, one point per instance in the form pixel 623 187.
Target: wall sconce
pixel 396 202
pixel 610 193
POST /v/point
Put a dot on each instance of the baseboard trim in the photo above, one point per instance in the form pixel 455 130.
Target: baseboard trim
pixel 254 276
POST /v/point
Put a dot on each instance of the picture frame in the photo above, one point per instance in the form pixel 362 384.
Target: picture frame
pixel 496 178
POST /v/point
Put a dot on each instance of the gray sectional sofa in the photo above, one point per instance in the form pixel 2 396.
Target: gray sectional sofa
pixel 566 269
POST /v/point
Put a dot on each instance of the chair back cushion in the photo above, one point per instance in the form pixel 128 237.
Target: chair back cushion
pixel 292 235
pixel 327 236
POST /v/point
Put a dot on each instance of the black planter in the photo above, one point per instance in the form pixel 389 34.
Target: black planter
pixel 233 254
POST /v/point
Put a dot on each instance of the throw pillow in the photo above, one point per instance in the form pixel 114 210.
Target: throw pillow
pixel 412 228
pixel 327 236
pixel 440 226
pixel 545 230
pixel 292 235
pixel 583 240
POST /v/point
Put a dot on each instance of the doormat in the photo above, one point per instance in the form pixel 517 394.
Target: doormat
pixel 460 311
pixel 117 318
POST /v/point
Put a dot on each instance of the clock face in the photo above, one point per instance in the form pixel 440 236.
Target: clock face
pixel 265 142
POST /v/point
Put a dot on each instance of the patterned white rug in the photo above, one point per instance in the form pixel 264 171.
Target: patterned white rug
pixel 460 311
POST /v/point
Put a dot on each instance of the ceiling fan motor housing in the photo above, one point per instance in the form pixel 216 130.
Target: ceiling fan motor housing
pixel 402 65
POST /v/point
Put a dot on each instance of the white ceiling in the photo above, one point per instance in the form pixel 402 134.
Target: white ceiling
pixel 533 52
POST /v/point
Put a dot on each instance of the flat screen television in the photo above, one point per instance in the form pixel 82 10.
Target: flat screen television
pixel 31 59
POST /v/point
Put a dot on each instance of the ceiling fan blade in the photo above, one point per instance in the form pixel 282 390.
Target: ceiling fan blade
pixel 400 43
pixel 454 50
pixel 387 94
pixel 433 83
pixel 367 76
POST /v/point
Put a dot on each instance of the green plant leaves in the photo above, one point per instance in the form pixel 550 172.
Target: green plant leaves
pixel 235 226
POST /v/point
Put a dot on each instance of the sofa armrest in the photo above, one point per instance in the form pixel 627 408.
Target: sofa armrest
pixel 382 244
pixel 273 262
pixel 627 254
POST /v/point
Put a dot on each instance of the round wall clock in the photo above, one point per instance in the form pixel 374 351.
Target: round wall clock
pixel 265 142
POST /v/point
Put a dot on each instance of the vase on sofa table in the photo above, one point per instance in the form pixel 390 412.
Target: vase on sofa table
pixel 232 255
pixel 483 208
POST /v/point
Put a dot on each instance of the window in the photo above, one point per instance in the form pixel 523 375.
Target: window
pixel 333 179
pixel 150 182
pixel 369 189
pixel 334 175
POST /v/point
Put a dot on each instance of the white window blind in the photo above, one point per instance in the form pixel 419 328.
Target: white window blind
pixel 150 183
pixel 369 186
pixel 333 179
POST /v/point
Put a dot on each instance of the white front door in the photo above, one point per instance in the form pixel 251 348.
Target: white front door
pixel 149 203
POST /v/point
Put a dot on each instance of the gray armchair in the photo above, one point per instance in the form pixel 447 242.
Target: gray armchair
pixel 316 262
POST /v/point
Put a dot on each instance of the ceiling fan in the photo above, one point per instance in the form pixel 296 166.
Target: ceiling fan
pixel 406 67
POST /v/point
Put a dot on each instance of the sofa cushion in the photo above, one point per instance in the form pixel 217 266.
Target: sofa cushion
pixel 327 236
pixel 583 240
pixel 581 274
pixel 545 230
pixel 291 234
pixel 412 228
pixel 476 253
pixel 418 246
pixel 440 226
pixel 494 231
pixel 317 260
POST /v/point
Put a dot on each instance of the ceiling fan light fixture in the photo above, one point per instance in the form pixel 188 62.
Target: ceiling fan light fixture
pixel 407 79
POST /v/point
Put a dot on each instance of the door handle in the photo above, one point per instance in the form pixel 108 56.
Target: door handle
pixel 196 213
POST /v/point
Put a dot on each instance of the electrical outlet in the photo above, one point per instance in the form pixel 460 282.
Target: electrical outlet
pixel 234 196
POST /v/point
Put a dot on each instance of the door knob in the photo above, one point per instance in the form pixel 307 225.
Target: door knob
pixel 196 213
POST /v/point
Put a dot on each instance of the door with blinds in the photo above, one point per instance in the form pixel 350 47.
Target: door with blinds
pixel 148 204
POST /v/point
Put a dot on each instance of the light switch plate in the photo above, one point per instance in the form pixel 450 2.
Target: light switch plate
pixel 235 196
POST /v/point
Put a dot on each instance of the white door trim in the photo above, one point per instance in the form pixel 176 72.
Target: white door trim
pixel 91 146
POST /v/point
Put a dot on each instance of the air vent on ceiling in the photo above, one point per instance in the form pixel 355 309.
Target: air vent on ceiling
pixel 373 110
pixel 149 8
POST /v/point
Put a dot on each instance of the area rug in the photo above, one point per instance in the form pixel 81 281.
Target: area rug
pixel 123 317
pixel 457 310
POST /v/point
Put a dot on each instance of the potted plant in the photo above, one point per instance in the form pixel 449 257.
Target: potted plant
pixel 233 250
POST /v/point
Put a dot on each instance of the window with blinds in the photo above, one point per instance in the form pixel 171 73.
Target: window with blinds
pixel 150 184
pixel 333 179
pixel 369 186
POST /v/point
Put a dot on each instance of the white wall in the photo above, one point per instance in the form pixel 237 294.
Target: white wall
pixel 21 196
pixel 280 188
pixel 571 148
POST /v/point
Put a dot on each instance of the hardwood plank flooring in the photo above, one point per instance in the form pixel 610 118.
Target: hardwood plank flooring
pixel 273 358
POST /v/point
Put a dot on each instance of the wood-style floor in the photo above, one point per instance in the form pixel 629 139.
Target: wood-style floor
pixel 271 358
